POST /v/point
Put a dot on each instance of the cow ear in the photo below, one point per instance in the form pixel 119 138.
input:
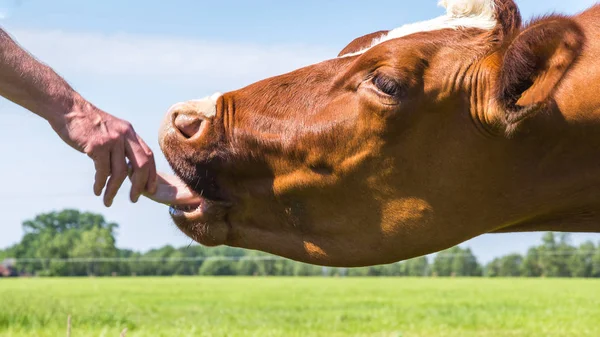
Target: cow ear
pixel 534 63
pixel 362 42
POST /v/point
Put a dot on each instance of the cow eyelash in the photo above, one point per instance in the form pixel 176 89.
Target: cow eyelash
pixel 386 85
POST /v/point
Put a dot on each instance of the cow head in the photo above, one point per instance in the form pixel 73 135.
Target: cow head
pixel 381 154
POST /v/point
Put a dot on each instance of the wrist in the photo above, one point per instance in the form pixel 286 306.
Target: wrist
pixel 66 108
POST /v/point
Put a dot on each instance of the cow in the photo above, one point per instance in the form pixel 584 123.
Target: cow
pixel 408 142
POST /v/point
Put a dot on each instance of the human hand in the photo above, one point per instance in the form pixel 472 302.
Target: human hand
pixel 109 141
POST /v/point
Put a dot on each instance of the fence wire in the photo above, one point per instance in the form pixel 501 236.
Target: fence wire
pixel 236 258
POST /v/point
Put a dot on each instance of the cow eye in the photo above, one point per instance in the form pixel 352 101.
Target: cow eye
pixel 386 85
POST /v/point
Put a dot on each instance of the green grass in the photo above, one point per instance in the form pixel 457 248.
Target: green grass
pixel 300 307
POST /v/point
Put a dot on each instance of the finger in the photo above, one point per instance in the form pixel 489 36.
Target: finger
pixel 152 175
pixel 173 191
pixel 102 166
pixel 139 163
pixel 117 175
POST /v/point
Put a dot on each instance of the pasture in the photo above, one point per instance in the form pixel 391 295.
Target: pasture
pixel 207 306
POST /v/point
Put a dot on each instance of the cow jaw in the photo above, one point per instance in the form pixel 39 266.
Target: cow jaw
pixel 205 222
pixel 191 212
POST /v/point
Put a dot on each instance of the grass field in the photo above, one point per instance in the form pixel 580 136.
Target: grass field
pixel 300 307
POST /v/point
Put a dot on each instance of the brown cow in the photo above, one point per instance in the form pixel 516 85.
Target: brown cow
pixel 409 142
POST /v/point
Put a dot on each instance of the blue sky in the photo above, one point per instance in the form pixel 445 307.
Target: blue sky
pixel 136 58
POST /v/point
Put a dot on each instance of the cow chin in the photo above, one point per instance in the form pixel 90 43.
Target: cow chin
pixel 206 224
pixel 205 219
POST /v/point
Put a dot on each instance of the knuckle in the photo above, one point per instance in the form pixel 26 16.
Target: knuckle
pixel 126 128
pixel 145 165
pixel 94 149
pixel 115 137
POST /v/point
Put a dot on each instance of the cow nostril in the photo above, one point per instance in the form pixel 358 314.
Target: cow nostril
pixel 188 125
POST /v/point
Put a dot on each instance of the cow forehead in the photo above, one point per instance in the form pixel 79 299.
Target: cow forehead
pixel 459 14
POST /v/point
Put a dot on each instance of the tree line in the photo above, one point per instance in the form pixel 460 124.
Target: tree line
pixel 74 243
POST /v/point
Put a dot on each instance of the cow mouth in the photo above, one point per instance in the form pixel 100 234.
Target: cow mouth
pixel 185 210
pixel 185 202
pixel 203 219
pixel 202 210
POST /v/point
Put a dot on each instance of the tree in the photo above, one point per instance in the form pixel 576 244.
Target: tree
pixel 394 269
pixel 158 264
pixel 59 222
pixel 359 272
pixel 582 264
pixel 304 269
pixel 506 266
pixel 217 267
pixel 97 242
pixel 55 235
pixel 510 265
pixel 247 267
pixel 596 262
pixel 442 263
pixel 554 255
pixel 531 264
pixel 456 262
pixel 273 267
pixel 417 267
pixel 492 269
pixel 465 264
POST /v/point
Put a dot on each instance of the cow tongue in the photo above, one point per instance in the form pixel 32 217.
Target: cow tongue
pixel 172 191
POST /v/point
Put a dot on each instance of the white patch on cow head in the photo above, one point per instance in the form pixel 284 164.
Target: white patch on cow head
pixel 206 106
pixel 214 97
pixel 459 14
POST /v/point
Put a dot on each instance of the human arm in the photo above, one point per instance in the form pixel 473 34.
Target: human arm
pixel 104 138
